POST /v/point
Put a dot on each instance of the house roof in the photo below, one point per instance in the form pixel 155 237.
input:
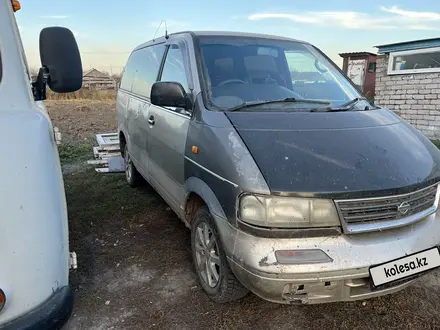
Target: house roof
pixel 357 54
pixel 408 45
pixel 96 73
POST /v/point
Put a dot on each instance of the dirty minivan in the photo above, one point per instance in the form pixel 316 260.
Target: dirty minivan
pixel 295 186
pixel 34 258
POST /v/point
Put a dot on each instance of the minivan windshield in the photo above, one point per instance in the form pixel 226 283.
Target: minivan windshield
pixel 251 71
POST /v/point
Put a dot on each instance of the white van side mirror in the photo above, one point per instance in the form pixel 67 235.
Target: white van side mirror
pixel 61 63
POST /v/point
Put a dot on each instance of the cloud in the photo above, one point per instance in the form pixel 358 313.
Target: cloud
pixel 395 18
pixel 293 17
pixel 422 27
pixel 416 15
pixel 55 16
pixel 345 19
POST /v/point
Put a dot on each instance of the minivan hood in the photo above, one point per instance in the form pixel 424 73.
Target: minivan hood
pixel 355 153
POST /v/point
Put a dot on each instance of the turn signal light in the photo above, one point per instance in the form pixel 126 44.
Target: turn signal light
pixel 300 257
pixel 16 5
pixel 2 299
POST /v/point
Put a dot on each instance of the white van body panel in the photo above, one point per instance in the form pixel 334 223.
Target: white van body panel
pixel 34 253
pixel 15 94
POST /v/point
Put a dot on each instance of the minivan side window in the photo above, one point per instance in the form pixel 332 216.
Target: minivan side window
pixel 147 68
pixel 129 70
pixel 174 69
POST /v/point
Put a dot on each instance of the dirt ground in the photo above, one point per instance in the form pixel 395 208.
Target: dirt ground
pixel 80 120
pixel 134 261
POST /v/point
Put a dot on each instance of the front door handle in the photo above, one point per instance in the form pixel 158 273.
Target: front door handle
pixel 151 120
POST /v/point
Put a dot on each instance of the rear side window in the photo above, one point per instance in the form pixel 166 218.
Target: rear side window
pixel 128 76
pixel 147 63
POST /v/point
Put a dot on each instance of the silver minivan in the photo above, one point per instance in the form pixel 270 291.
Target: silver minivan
pixel 294 186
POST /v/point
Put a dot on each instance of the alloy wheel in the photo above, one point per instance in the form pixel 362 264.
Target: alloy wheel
pixel 207 254
pixel 128 173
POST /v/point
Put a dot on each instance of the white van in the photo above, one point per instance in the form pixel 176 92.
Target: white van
pixel 34 253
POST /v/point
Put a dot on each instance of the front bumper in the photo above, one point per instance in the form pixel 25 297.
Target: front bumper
pixel 345 278
pixel 345 286
pixel 51 315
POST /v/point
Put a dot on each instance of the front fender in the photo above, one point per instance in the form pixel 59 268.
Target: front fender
pixel 199 187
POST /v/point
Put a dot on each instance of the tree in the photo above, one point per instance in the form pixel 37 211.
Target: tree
pixel 117 77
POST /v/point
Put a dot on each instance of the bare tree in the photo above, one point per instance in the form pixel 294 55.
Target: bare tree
pixel 117 77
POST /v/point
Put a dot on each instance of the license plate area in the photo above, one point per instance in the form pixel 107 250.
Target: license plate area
pixel 404 269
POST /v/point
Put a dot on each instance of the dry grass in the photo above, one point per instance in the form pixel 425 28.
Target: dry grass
pixel 84 94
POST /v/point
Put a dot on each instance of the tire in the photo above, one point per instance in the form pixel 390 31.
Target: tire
pixel 212 268
pixel 134 179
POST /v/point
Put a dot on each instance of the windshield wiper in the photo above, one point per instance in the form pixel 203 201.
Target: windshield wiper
pixel 347 106
pixel 352 103
pixel 286 100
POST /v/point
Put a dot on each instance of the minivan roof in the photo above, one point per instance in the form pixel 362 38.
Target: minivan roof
pixel 219 33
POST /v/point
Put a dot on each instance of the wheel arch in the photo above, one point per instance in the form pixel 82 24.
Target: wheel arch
pixel 198 193
pixel 122 142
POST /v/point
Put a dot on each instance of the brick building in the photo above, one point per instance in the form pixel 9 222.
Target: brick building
pixel 408 82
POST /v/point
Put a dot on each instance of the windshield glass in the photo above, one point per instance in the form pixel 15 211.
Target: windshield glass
pixel 249 69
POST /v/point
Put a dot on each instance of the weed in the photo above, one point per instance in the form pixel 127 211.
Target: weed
pixel 437 143
pixel 70 153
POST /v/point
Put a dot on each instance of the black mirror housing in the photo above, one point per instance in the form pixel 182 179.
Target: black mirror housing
pixel 61 59
pixel 169 94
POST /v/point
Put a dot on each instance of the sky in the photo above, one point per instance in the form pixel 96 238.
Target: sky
pixel 107 30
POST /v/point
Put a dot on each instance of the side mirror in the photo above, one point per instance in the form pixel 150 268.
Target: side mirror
pixel 169 94
pixel 60 60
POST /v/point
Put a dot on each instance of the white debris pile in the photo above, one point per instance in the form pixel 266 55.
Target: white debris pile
pixel 107 155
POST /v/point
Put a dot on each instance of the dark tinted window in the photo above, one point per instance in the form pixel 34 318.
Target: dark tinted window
pixel 174 69
pixel 241 69
pixel 147 64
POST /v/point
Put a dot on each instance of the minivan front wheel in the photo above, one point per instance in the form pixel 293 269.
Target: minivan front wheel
pixel 210 261
pixel 133 177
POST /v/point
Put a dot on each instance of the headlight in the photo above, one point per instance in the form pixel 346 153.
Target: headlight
pixel 287 212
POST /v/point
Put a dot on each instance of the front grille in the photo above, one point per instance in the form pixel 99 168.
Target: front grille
pixel 386 208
